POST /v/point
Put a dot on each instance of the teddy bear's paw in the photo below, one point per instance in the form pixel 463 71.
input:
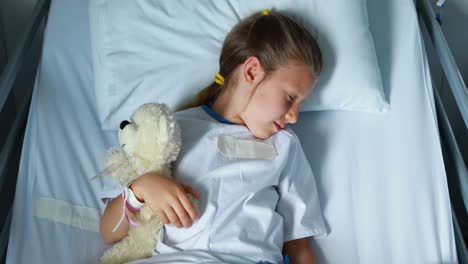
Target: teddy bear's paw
pixel 128 249
pixel 147 234
pixel 115 156
pixel 118 165
pixel 145 214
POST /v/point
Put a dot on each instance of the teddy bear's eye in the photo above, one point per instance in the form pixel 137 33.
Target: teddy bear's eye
pixel 123 124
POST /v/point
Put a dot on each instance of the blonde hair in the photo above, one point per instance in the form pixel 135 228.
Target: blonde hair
pixel 274 38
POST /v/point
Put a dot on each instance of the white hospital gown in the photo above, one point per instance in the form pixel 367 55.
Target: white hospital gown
pixel 249 206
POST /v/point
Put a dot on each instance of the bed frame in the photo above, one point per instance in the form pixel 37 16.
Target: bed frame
pixel 10 147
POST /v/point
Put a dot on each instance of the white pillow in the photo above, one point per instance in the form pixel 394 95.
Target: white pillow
pixel 168 50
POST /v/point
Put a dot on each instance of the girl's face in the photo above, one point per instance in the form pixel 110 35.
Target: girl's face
pixel 276 99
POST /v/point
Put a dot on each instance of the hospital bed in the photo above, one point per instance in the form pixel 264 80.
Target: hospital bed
pixel 381 178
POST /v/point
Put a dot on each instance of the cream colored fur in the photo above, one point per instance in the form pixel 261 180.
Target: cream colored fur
pixel 154 137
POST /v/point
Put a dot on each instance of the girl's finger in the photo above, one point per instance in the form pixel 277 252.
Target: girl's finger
pixel 173 218
pixel 163 216
pixel 190 190
pixel 182 214
pixel 188 206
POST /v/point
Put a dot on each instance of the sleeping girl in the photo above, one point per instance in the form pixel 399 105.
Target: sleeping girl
pixel 257 193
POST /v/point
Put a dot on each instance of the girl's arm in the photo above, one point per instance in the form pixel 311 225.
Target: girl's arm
pixel 109 220
pixel 299 251
pixel 166 197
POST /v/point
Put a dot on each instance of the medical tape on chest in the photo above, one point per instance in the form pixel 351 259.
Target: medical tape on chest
pixel 248 149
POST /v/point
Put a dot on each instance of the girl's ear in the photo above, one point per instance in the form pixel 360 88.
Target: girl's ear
pixel 253 72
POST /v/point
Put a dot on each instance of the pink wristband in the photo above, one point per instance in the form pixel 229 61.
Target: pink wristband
pixel 125 206
pixel 132 202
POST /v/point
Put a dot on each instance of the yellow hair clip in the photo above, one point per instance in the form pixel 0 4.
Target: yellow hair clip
pixel 266 12
pixel 219 79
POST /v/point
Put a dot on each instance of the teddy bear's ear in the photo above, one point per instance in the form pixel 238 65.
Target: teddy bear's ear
pixel 163 129
pixel 174 144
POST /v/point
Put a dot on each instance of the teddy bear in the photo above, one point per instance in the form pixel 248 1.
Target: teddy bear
pixel 149 141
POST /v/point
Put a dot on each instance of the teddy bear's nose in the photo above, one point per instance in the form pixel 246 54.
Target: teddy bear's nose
pixel 123 124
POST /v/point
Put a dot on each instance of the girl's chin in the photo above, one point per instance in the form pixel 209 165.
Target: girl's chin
pixel 265 134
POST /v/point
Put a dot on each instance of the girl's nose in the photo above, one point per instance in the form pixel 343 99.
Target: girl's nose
pixel 292 114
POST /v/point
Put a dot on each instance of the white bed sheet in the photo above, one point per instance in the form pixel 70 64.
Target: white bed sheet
pixel 381 177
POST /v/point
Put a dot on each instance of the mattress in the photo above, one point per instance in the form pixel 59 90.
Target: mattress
pixel 381 177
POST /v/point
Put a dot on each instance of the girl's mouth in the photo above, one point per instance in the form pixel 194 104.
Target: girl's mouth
pixel 279 127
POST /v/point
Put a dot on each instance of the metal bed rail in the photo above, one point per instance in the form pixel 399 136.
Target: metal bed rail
pixel 447 61
pixel 460 94
pixel 16 61
pixel 460 169
pixel 8 77
pixel 455 82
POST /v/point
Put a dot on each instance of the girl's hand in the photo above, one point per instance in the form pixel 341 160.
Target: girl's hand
pixel 167 198
pixel 299 251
